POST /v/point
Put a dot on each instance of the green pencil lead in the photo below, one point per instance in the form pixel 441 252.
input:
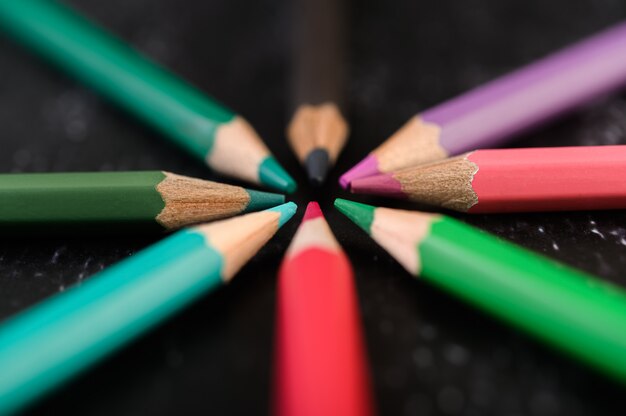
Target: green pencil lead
pixel 273 175
pixel 361 214
pixel 263 200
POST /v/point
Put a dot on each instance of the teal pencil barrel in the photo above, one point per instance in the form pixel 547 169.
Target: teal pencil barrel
pixel 117 71
pixel 48 344
pixel 65 334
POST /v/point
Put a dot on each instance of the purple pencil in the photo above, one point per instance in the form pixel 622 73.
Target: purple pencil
pixel 505 107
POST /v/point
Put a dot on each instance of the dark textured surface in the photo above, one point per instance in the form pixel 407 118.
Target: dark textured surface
pixel 430 354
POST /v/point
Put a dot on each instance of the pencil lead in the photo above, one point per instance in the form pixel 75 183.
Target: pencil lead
pixel 275 176
pixel 317 163
pixel 384 185
pixel 313 211
pixel 263 200
pixel 366 167
pixel 286 211
pixel 361 214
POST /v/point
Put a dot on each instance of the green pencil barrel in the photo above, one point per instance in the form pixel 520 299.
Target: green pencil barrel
pixel 568 309
pixel 164 101
pixel 66 201
pixel 62 336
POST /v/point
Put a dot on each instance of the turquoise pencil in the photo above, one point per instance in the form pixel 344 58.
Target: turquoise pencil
pixel 63 335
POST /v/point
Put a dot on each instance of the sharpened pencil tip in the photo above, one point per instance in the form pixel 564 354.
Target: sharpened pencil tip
pixel 273 175
pixel 384 185
pixel 263 200
pixel 361 214
pixel 286 211
pixel 313 211
pixel 366 167
pixel 317 164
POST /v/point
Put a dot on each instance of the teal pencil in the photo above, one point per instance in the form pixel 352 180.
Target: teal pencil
pixel 56 339
pixel 197 123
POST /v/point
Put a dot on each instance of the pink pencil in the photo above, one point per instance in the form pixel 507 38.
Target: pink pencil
pixel 513 180
pixel 503 108
pixel 321 368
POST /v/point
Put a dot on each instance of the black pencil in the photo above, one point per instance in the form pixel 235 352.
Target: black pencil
pixel 318 129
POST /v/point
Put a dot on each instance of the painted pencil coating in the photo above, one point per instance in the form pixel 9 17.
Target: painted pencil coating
pixel 512 180
pixel 501 109
pixel 550 179
pixel 195 122
pixel 568 309
pixel 320 357
pixel 87 322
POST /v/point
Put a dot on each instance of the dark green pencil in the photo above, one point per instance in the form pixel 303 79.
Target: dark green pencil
pixel 119 201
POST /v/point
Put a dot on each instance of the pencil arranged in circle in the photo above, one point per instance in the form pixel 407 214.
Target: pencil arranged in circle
pixel 501 109
pixel 120 201
pixel 321 366
pixel 565 308
pixel 195 122
pixel 63 335
pixel 318 129
pixel 512 180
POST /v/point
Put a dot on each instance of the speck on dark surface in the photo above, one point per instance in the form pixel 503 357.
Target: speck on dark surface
pixel 430 354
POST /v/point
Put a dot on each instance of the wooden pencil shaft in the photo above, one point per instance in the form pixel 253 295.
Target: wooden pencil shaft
pixel 178 110
pixel 496 112
pixel 551 179
pixel 119 201
pixel 48 344
pixel 568 309
pixel 76 200
pixel 195 122
pixel 319 58
pixel 513 180
pixel 321 365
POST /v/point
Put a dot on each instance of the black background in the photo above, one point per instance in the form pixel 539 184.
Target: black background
pixel 429 354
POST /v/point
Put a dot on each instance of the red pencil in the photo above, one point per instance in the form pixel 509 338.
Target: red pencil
pixel 320 356
pixel 513 180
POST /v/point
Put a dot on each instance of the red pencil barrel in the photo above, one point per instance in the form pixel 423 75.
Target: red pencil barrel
pixel 321 365
pixel 550 179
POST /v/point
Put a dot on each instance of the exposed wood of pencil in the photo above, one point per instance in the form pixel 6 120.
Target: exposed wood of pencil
pixel 578 314
pixel 513 180
pixel 190 200
pixel 318 84
pixel 321 366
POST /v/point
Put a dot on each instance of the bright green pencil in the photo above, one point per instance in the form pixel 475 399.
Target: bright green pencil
pixel 119 201
pixel 570 310
pixel 206 129
pixel 56 339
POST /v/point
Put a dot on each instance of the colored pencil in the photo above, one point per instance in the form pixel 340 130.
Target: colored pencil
pixel 501 109
pixel 193 121
pixel 321 364
pixel 318 129
pixel 512 180
pixel 574 312
pixel 63 335
pixel 120 201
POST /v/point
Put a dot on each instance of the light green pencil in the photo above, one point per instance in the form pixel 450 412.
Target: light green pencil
pixel 197 123
pixel 56 339
pixel 568 309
